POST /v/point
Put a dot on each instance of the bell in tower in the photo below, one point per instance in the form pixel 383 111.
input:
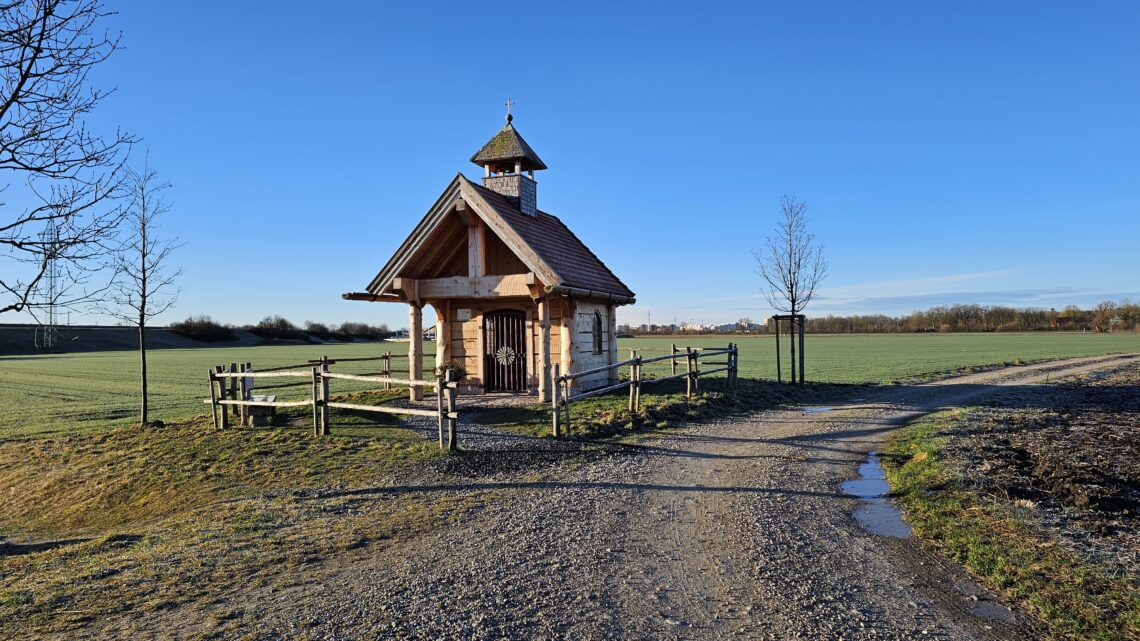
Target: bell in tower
pixel 508 166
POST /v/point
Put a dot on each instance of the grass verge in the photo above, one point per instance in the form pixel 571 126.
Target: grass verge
pixel 997 543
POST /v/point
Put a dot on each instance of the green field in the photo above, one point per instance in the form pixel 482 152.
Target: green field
pixel 67 393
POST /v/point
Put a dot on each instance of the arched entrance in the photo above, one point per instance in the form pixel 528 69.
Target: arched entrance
pixel 504 351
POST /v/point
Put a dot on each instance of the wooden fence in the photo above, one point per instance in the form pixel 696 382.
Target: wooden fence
pixel 229 387
pixel 563 390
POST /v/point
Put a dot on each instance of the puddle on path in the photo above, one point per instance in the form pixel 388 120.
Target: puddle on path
pixel 992 611
pixel 876 515
pixel 815 410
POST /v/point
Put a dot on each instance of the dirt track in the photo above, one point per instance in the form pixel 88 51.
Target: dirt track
pixel 728 530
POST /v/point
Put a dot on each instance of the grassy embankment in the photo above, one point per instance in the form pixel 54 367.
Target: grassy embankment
pixel 1001 545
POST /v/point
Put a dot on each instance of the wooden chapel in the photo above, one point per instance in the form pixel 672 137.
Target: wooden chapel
pixel 513 289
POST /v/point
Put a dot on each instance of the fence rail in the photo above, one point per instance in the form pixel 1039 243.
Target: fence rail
pixel 563 394
pixel 231 386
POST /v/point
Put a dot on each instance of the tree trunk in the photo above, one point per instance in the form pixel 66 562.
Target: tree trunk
pixel 142 358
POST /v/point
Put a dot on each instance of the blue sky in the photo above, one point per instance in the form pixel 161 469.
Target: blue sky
pixel 956 152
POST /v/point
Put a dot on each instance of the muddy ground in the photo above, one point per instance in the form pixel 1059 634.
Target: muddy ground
pixel 1067 452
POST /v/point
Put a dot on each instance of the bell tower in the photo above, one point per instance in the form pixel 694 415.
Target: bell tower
pixel 508 167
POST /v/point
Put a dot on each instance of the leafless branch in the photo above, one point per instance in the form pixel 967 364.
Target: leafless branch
pixel 47 51
pixel 792 266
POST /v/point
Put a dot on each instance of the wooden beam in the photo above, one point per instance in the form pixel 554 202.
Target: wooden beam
pixel 476 248
pixel 507 234
pixel 531 375
pixel 544 349
pixel 569 337
pixel 442 334
pixel 415 349
pixel 482 287
pixel 371 298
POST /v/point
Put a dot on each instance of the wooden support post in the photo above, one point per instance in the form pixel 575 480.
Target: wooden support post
pixel 451 376
pixel 387 369
pixel 802 350
pixel 697 372
pixel 213 399
pixel 316 401
pixel 242 409
pixel 779 373
pixel 225 416
pixel 569 341
pixel 415 350
pixel 324 396
pixel 556 430
pixel 544 371
pixel 637 386
pixel 673 361
pixel 632 382
pixel 442 409
pixel 688 372
pixel 234 390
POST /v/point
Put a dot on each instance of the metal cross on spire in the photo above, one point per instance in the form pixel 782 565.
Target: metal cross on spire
pixel 509 105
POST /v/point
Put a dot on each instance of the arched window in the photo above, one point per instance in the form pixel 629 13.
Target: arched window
pixel 597 333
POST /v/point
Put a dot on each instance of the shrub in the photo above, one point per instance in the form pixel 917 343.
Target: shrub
pixel 316 328
pixel 277 327
pixel 322 331
pixel 203 328
pixel 364 330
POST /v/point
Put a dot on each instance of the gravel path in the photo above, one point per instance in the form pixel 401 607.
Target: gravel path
pixel 719 531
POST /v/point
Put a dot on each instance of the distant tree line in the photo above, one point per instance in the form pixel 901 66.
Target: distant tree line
pixel 1107 316
pixel 276 327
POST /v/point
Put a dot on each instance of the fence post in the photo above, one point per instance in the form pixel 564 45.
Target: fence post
pixel 637 386
pixel 213 399
pixel 632 382
pixel 324 396
pixel 440 381
pixel 688 373
pixel 673 361
pixel 779 371
pixel 802 318
pixel 242 409
pixel 697 372
pixel 316 402
pixel 234 389
pixel 222 395
pixel 387 369
pixel 732 347
pixel 451 377
pixel 555 392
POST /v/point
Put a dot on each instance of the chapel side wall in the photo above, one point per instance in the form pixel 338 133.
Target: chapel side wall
pixel 585 358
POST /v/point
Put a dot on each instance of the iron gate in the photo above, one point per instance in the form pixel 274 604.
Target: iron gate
pixel 504 351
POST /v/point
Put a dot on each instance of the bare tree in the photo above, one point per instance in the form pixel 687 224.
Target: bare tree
pixel 792 266
pixel 144 285
pixel 64 210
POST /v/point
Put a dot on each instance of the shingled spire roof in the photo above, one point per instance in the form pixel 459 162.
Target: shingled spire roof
pixel 504 149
